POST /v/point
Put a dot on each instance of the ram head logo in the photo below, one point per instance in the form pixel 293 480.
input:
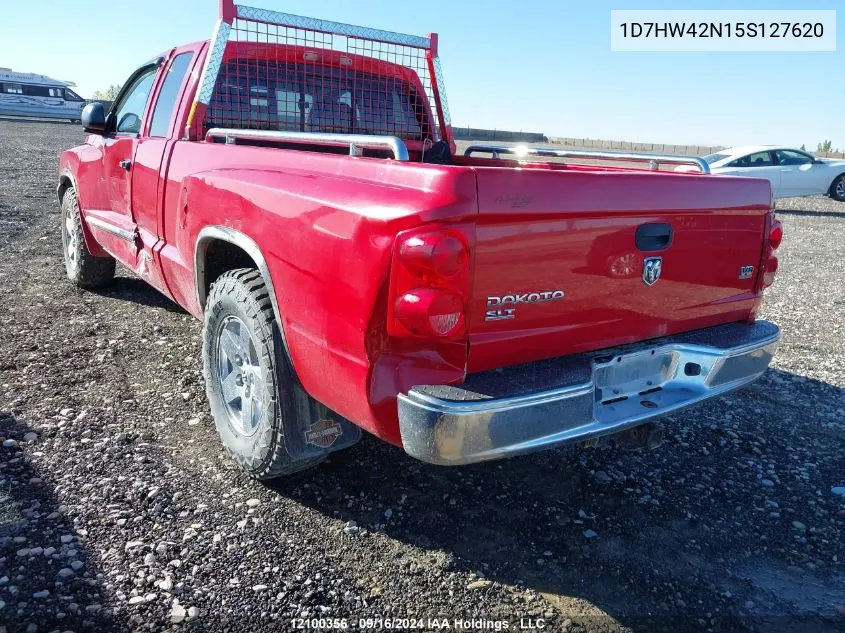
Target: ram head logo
pixel 651 270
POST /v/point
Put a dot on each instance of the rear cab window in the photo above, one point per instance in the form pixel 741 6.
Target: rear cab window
pixel 313 98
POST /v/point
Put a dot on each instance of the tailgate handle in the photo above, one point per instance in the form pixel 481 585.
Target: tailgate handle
pixel 654 237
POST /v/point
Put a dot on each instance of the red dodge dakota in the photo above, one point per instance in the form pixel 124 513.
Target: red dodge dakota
pixel 294 184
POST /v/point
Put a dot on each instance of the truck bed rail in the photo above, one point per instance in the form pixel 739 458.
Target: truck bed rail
pixel 654 160
pixel 355 142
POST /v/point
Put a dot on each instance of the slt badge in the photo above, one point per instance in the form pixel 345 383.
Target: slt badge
pixel 500 308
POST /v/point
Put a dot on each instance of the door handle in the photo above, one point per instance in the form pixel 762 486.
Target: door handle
pixel 125 164
pixel 653 237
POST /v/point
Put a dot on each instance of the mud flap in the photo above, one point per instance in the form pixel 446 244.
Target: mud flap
pixel 316 430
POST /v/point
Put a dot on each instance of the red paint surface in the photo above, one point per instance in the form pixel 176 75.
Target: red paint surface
pixel 327 224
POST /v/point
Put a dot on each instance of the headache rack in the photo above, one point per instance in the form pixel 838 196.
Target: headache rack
pixel 654 160
pixel 277 77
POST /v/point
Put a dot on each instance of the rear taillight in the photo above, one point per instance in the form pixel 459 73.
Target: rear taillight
pixel 429 283
pixel 769 273
pixel 430 312
pixel 770 262
pixel 775 234
pixel 441 255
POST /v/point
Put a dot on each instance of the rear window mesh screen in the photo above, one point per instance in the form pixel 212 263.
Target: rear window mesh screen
pixel 275 77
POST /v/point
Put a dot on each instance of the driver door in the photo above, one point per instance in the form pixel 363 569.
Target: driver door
pixel 114 223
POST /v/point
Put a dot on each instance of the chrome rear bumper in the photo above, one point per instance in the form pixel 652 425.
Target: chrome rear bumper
pixel 545 404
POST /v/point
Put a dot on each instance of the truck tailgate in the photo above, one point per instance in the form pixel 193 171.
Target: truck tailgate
pixel 560 267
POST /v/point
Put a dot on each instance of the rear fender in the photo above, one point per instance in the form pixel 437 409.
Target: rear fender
pixel 310 415
pixel 835 178
pixel 209 234
pixel 326 227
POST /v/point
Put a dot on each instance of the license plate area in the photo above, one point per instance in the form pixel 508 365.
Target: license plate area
pixel 624 376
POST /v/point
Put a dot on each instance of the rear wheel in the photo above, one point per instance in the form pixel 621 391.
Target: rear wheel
pixel 837 189
pixel 249 382
pixel 83 268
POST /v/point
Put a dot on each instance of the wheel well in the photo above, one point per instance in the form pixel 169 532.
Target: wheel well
pixel 65 183
pixel 833 182
pixel 220 257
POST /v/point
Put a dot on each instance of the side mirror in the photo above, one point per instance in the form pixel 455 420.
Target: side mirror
pixel 818 161
pixel 94 118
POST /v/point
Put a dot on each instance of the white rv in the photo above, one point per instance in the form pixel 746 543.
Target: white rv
pixel 31 95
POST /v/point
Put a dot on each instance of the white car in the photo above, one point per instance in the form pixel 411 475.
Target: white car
pixel 792 172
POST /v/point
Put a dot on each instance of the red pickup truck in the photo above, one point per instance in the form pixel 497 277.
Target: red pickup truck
pixel 294 184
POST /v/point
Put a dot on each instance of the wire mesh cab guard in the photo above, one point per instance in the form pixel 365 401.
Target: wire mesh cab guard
pixel 275 76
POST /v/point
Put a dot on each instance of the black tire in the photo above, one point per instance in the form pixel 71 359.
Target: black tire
pixel 837 189
pixel 83 268
pixel 239 299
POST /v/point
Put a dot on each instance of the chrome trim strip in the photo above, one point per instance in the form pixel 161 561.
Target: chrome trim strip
pixel 354 141
pixel 129 236
pixel 433 403
pixel 226 234
pixel 742 349
pixel 654 160
pixel 327 26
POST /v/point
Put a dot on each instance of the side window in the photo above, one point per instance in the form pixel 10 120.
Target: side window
pixel 404 117
pixel 258 96
pixel 42 91
pixel 13 89
pixel 758 159
pixel 789 157
pixel 131 107
pixel 35 91
pixel 290 105
pixel 168 94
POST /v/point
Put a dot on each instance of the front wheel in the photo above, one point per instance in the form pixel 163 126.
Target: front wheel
pixel 249 382
pixel 83 268
pixel 837 189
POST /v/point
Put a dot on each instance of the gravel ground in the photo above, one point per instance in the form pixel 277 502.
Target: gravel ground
pixel 118 510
